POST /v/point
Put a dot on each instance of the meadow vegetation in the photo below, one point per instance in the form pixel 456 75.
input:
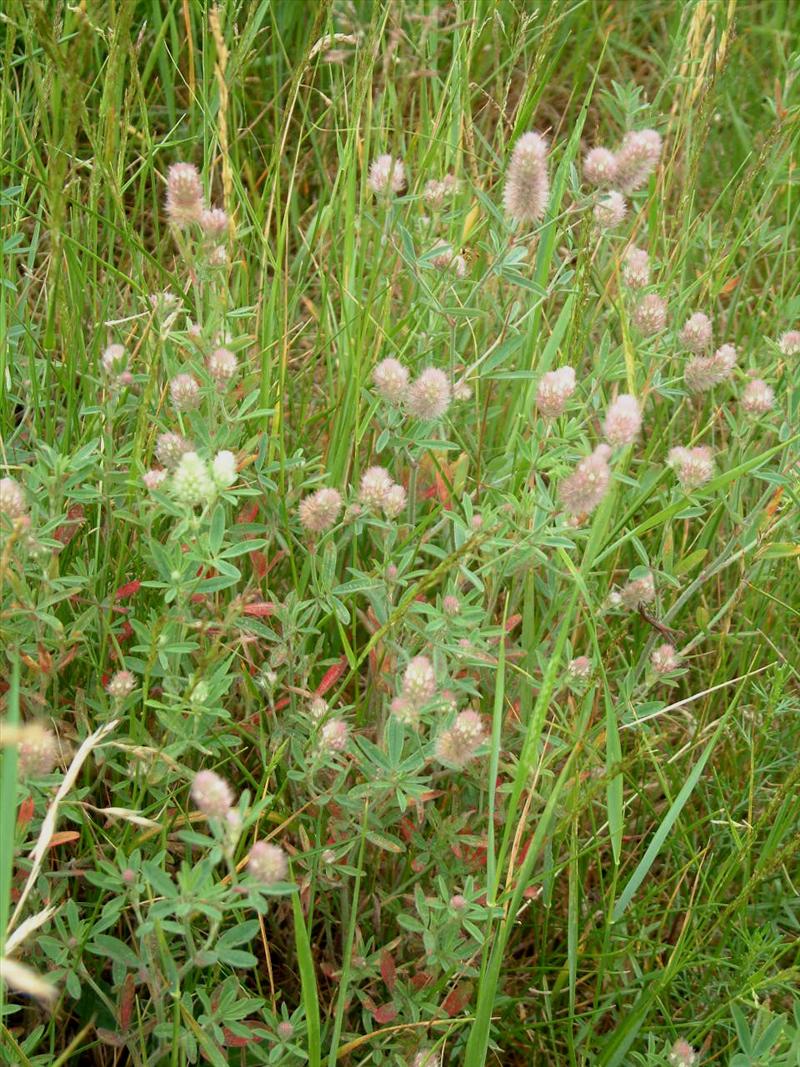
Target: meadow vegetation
pixel 399 533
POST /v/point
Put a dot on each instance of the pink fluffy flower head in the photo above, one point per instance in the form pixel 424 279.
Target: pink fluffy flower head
pixel 419 682
pixel 429 396
pixel 170 449
pixel 390 378
pixel 320 510
pixel 268 863
pixel 222 366
pixel 623 420
pixel 214 222
pixel 704 372
pixel 184 390
pixel 374 488
pixel 457 746
pixel 636 268
pixel 211 794
pixel 789 343
pixel 527 187
pixel 554 390
pixel 113 359
pixel 682 1054
pixel 185 201
pixel 333 735
pixel 600 166
pixel 155 478
pixel 582 491
pixel 610 210
pixel 637 158
pixel 693 466
pixel 580 667
pixel 664 659
pixel 638 592
pixel 758 398
pixel 12 499
pixel 650 314
pixel 37 751
pixel 697 333
pixel 386 176
pixel 121 685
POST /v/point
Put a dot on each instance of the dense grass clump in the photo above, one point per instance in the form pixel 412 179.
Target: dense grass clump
pixel 398 534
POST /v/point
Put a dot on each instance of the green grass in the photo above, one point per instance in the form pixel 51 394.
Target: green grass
pixel 628 849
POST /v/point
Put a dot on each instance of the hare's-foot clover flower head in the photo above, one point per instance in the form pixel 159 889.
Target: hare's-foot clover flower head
pixel 704 372
pixel 758 398
pixel 404 710
pixel 214 222
pixel 427 1057
pixel 693 466
pixel 192 482
pixel 636 268
pixel 223 469
pixel 600 166
pixel 682 1054
pixel 211 794
pixel 419 681
pixel 446 259
pixel 582 491
pixel 222 366
pixel 638 593
pixel 319 510
pixel 429 396
pixel 184 391
pixel 375 486
pixel 390 378
pixel 554 390
pixel 637 158
pixel 185 199
pixel 37 751
pixel 436 192
pixel 623 420
pixel 650 314
pixel 113 359
pixel 664 659
pixel 170 448
pixel 579 668
pixel 268 863
pixel 333 735
pixel 789 343
pixel 527 187
pixel 451 605
pixel 121 685
pixel 12 499
pixel 387 175
pixel 697 333
pixel 395 502
pixel 457 746
pixel 155 478
pixel 610 211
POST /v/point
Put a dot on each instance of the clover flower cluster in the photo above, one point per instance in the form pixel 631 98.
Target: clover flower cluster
pixel 418 688
pixel 187 208
pixel 212 795
pixel 630 166
pixel 427 397
pixel 527 188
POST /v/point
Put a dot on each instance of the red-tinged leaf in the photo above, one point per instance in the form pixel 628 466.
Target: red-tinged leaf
pixel 512 621
pixel 45 660
pixel 729 286
pixel 457 999
pixel 69 656
pixel 421 979
pixel 25 813
pixel 125 632
pixel 331 676
pixel 198 598
pixel 127 590
pixel 126 1002
pixel 282 703
pixel 388 970
pixel 63 837
pixel 75 519
pixel 258 561
pixel 386 1013
pixel 237 1040
pixel 248 513
pixel 260 608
